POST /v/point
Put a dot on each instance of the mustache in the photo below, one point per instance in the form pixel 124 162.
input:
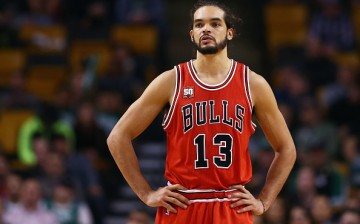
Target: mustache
pixel 207 36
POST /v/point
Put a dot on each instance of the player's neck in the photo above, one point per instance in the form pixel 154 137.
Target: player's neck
pixel 212 64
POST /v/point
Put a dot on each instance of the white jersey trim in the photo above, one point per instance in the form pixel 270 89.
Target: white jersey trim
pixel 207 191
pixel 176 94
pixel 248 92
pixel 248 85
pixel 202 190
pixel 212 87
pixel 212 200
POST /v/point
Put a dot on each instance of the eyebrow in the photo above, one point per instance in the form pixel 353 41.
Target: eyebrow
pixel 212 19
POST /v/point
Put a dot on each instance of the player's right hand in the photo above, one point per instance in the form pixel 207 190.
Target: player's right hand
pixel 167 197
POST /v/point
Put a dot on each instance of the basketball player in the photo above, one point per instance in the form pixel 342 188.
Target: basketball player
pixel 208 127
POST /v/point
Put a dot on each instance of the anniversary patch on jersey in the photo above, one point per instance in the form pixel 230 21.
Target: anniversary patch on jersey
pixel 188 92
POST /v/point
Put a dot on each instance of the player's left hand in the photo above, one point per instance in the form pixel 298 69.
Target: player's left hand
pixel 247 200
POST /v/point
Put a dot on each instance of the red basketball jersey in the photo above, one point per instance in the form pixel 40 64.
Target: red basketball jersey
pixel 208 128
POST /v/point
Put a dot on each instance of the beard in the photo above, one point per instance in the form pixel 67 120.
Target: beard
pixel 211 49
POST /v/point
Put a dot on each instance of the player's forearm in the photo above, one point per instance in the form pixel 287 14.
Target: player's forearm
pixel 123 153
pixel 278 173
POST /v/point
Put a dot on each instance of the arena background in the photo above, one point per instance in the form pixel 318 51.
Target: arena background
pixel 69 69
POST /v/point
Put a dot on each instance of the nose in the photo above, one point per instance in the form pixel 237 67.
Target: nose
pixel 206 29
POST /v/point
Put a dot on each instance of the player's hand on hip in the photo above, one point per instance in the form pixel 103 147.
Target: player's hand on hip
pixel 167 197
pixel 245 201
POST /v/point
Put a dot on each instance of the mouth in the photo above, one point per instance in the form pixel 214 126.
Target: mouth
pixel 206 38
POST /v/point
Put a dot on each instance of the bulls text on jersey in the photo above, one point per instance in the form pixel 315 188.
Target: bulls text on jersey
pixel 203 112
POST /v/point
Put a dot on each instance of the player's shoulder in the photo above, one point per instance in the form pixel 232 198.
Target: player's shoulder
pixel 168 74
pixel 165 82
pixel 165 78
pixel 259 87
pixel 257 80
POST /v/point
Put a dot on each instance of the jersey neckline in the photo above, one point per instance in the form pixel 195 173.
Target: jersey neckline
pixel 217 86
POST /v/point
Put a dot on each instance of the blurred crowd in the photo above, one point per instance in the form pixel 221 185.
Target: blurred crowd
pixel 60 170
pixel 317 85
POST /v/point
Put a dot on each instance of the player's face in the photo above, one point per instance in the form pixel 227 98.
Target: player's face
pixel 210 34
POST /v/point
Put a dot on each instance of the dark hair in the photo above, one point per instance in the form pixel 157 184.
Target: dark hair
pixel 66 182
pixel 231 20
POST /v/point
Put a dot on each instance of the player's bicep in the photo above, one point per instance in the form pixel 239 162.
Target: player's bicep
pixel 268 114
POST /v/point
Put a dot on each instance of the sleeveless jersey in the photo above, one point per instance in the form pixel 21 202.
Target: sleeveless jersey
pixel 208 128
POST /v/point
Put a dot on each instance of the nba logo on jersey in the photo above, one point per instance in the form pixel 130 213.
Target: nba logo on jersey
pixel 188 92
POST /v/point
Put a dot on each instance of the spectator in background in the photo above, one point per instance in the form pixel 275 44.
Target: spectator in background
pixel 41 148
pixel 53 172
pixel 322 211
pixel 139 11
pixel 331 31
pixel 2 211
pixel 54 9
pixel 81 169
pixel 314 130
pixel 110 106
pixel 145 12
pixel 353 200
pixel 345 112
pixel 328 179
pixel 66 207
pixel 91 142
pixel 8 35
pixel 95 21
pixel 122 75
pixel 336 91
pixel 4 172
pixel 45 123
pixel 305 188
pixel 350 153
pixel 39 12
pixel 350 216
pixel 90 137
pixel 63 101
pixel 81 83
pixel 13 185
pixel 31 210
pixel 277 212
pixel 299 215
pixel 15 96
pixel 139 217
pixel 291 86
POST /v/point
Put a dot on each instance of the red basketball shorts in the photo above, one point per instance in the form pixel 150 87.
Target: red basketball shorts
pixel 206 207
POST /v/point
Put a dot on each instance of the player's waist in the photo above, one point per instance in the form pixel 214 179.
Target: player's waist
pixel 207 195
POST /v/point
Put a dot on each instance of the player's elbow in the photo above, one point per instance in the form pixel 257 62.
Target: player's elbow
pixel 117 138
pixel 292 154
pixel 288 152
pixel 113 140
pixel 110 141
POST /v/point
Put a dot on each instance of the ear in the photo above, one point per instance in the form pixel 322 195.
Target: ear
pixel 191 35
pixel 230 34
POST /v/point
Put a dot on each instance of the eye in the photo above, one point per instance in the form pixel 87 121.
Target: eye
pixel 216 24
pixel 198 25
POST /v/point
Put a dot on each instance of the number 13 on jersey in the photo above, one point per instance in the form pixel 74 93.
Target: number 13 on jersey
pixel 223 160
